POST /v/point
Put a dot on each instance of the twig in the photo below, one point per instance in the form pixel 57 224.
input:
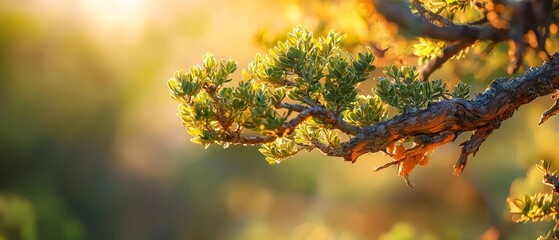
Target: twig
pixel 378 168
pixel 471 147
pixel 292 107
pixel 447 53
pixel 552 110
pixel 433 17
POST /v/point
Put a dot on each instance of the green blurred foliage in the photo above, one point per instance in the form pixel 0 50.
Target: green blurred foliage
pixel 17 219
pixel 90 144
pixel 405 231
pixel 539 206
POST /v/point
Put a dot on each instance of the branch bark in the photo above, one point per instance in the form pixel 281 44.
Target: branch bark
pixel 420 26
pixel 447 53
pixel 431 127
pixel 483 114
pixel 529 20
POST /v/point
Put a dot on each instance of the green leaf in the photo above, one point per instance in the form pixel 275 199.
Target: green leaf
pixel 461 90
pixel 209 62
pixel 306 69
pixel 366 111
pixel 404 90
pixel 537 207
pixel 279 150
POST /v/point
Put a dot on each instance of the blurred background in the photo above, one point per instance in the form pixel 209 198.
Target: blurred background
pixel 91 148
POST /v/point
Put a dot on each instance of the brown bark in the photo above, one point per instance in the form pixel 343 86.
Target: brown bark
pixel 483 114
pixel 529 20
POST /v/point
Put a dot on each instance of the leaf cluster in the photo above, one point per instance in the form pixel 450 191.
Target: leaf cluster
pixel 301 95
pixel 403 89
pixel 312 72
pixel 205 108
pixel 449 6
pixel 540 206
pixel 537 207
pixel 367 110
pixel 279 150
pixel 427 49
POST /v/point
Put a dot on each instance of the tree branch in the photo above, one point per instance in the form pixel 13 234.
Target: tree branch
pixel 432 127
pixel 471 147
pixel 237 138
pixel 447 53
pixel 402 16
pixel 528 25
pixel 433 17
pixel 482 114
pixel 552 110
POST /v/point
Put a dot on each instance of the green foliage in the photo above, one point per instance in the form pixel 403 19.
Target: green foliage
pixel 443 12
pixel 306 73
pixel 201 110
pixel 306 132
pixel 539 206
pixel 344 72
pixel 367 110
pixel 427 49
pixel 17 219
pixel 544 166
pixel 404 90
pixel 302 138
pixel 303 69
pixel 405 231
pixel 461 90
pixel 450 6
pixel 279 150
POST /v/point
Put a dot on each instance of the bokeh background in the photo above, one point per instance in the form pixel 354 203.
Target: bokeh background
pixel 91 148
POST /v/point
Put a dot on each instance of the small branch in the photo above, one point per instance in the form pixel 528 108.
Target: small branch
pixel 447 53
pixel 339 123
pixel 471 147
pixel 551 111
pixel 402 16
pixel 236 138
pixel 482 114
pixel 381 167
pixel 379 52
pixel 327 149
pixel 431 127
pixel 224 121
pixel 318 111
pixel 330 118
pixel 487 50
pixel 528 24
pixel 288 127
pixel 433 17
pixel 292 107
pixel 287 83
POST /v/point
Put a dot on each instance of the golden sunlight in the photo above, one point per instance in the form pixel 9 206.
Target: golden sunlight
pixel 123 17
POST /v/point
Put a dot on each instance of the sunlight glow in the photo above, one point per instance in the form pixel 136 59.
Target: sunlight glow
pixel 115 16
